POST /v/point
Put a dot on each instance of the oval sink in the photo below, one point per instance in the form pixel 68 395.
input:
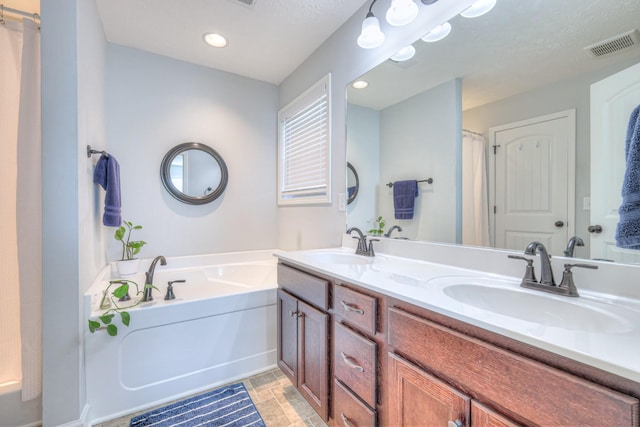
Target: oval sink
pixel 339 258
pixel 576 314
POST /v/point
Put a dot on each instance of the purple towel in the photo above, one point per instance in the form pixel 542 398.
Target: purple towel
pixel 404 196
pixel 107 175
pixel 628 229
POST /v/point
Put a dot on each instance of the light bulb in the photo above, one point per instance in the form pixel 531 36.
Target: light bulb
pixel 438 33
pixel 404 54
pixel 371 36
pixel 401 12
pixel 360 84
pixel 215 40
pixel 478 8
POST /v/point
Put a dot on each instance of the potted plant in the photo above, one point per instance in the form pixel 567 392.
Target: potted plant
pixel 379 227
pixel 128 264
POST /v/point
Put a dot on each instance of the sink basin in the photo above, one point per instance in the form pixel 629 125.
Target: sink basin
pixel 339 258
pixel 575 314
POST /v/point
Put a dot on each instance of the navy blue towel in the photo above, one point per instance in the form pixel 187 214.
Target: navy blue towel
pixel 107 175
pixel 404 196
pixel 628 229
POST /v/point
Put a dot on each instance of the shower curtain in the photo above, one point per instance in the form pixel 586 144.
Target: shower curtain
pixel 475 209
pixel 21 208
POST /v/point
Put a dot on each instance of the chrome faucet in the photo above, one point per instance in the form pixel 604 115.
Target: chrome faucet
pixel 395 227
pixel 573 242
pixel 148 283
pixel 546 275
pixel 362 248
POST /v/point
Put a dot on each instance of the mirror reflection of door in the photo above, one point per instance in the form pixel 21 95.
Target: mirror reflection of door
pixel 195 173
pixel 534 169
pixel 177 172
pixel 612 101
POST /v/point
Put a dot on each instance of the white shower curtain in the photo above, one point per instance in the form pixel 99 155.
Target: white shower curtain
pixel 21 211
pixel 475 209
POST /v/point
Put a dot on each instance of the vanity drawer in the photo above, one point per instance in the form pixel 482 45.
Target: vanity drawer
pixel 310 288
pixel 348 410
pixel 354 359
pixel 490 374
pixel 355 308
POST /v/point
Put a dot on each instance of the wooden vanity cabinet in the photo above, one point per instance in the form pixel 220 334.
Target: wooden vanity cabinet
pixel 303 326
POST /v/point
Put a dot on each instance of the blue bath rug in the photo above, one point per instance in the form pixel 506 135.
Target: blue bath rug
pixel 229 406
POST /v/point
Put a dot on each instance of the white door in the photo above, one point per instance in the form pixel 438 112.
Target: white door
pixel 534 182
pixel 612 101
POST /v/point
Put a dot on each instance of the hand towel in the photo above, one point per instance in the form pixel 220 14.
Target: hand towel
pixel 107 175
pixel 404 196
pixel 628 229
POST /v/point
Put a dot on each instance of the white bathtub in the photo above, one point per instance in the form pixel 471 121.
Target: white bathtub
pixel 221 327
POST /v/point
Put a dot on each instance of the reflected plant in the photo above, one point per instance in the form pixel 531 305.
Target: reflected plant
pixel 110 304
pixel 379 227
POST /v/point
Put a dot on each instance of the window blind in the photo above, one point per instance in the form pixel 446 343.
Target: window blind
pixel 304 147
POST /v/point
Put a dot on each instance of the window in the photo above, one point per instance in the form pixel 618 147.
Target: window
pixel 304 147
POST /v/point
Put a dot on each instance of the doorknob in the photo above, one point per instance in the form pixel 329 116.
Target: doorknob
pixel 559 224
pixel 594 229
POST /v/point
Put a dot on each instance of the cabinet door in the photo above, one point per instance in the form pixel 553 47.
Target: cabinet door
pixel 420 399
pixel 288 335
pixel 313 359
pixel 481 416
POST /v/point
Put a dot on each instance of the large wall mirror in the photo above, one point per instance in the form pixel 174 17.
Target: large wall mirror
pixel 194 173
pixel 521 64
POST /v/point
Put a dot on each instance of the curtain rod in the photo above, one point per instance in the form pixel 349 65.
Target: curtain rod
pixel 13 11
pixel 472 132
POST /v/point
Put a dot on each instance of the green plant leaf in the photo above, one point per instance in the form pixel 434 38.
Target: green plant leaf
pixel 121 290
pixel 137 227
pixel 106 319
pixel 126 318
pixel 112 330
pixel 120 233
pixel 93 325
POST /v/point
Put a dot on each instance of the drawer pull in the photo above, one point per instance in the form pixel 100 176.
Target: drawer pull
pixel 351 308
pixel 349 362
pixel 345 420
pixel 456 423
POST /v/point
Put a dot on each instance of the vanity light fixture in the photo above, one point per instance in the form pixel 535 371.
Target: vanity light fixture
pixel 438 33
pixel 478 8
pixel 215 40
pixel 360 84
pixel 371 36
pixel 402 12
pixel 404 54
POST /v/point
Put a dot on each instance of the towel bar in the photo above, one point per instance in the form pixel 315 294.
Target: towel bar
pixel 91 151
pixel 428 181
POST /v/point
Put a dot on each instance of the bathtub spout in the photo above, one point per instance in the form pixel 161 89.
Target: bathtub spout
pixel 149 277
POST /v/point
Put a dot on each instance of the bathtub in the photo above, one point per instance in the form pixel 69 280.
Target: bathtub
pixel 220 327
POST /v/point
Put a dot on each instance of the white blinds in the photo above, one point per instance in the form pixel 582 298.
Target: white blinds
pixel 304 147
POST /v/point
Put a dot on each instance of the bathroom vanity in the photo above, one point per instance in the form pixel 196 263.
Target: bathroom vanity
pixel 394 341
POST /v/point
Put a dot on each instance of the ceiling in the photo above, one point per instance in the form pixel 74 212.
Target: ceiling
pixel 267 41
pixel 518 46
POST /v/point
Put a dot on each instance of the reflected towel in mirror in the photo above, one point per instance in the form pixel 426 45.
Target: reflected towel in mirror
pixel 628 229
pixel 404 196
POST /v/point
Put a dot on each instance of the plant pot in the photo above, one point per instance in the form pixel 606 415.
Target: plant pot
pixel 128 267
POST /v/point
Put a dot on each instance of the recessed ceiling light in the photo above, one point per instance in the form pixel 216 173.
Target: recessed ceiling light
pixel 478 8
pixel 438 33
pixel 360 84
pixel 215 40
pixel 404 54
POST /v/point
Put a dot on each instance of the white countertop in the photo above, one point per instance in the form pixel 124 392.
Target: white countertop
pixel 604 332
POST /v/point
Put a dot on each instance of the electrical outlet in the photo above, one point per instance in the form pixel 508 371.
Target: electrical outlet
pixel 586 203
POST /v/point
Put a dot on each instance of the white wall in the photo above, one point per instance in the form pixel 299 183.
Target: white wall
pixel 155 103
pixel 420 138
pixel 559 96
pixel 73 247
pixel 320 226
pixel 363 152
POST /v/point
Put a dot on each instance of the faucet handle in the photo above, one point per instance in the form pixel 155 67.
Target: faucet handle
pixel 529 274
pixel 567 283
pixel 370 251
pixel 170 295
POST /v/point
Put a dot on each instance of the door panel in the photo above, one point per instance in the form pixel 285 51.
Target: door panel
pixel 288 335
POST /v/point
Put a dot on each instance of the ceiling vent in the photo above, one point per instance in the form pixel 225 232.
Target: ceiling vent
pixel 614 44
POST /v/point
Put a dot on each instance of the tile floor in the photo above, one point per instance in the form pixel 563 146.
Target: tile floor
pixel 278 402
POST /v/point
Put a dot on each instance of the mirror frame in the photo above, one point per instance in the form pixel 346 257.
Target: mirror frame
pixel 165 174
pixel 355 193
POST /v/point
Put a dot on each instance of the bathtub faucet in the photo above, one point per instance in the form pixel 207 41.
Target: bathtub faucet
pixel 149 277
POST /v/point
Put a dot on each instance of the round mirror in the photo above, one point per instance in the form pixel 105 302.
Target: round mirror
pixel 194 173
pixel 353 183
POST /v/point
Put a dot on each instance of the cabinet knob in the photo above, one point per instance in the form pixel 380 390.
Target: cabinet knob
pixel 351 308
pixel 294 313
pixel 456 423
pixel 559 224
pixel 345 420
pixel 594 229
